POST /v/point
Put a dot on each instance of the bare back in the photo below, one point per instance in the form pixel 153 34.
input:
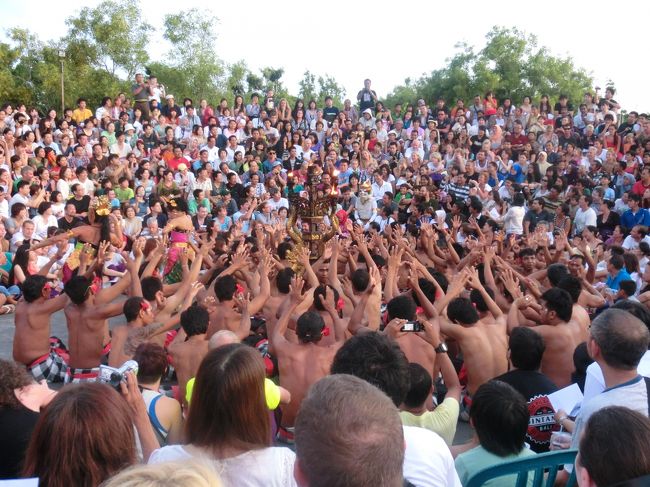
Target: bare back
pixel 86 336
pixel 223 318
pixel 418 351
pixel 301 365
pixel 32 334
pixel 187 357
pixel 485 353
pixel 561 341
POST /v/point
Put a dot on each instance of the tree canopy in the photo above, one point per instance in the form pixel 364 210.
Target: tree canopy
pixel 511 65
pixel 106 45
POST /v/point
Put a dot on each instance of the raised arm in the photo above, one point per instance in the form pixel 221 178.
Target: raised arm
pixel 265 286
pixel 245 323
pixel 330 306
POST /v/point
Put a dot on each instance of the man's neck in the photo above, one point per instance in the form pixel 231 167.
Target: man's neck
pixel 616 377
pixel 417 411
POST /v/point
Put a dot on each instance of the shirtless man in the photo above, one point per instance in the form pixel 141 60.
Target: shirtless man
pixel 560 333
pixel 153 290
pixel 573 286
pixel 141 326
pixel 87 315
pixel 483 341
pixel 32 345
pixel 187 355
pixel 225 315
pixel 302 364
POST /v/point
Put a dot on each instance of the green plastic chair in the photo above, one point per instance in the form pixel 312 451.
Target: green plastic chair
pixel 544 468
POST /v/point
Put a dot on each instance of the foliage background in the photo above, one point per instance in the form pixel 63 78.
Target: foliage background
pixel 106 45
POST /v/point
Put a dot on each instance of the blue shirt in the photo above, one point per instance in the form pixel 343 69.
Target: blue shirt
pixel 615 282
pixel 641 217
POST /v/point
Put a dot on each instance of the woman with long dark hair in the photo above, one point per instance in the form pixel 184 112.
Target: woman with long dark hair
pixel 86 435
pixel 228 422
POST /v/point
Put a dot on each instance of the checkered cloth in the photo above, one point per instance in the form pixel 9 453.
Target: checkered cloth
pixel 77 376
pixel 51 367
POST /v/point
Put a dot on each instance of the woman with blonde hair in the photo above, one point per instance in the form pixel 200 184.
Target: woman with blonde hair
pixel 187 474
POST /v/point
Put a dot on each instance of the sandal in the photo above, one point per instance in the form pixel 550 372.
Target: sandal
pixel 7 309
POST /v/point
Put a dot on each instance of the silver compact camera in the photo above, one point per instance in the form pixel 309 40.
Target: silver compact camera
pixel 113 376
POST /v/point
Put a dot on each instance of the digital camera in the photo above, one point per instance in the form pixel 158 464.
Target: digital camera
pixel 113 376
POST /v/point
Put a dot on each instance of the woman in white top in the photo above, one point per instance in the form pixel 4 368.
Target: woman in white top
pixel 63 184
pixel 131 224
pixel 228 423
pixel 44 219
pixel 513 222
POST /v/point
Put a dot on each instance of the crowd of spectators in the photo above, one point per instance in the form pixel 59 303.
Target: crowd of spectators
pixel 489 252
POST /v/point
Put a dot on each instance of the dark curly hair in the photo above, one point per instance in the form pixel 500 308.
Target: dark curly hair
pixel 12 376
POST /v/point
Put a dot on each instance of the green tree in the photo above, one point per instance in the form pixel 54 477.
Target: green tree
pixel 511 65
pixel 193 54
pixel 307 87
pixel 112 36
pixel 327 86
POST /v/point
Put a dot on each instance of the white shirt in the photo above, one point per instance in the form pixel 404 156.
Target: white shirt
pixel 4 208
pixel 19 198
pixel 213 153
pixel 276 205
pixel 266 467
pixel 379 191
pixel 41 224
pixel 89 187
pixel 630 244
pixel 427 459
pixel 583 219
pixel 514 220
pixel 595 382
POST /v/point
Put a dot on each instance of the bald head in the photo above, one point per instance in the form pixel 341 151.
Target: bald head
pixel 221 338
pixel 364 446
pixel 621 337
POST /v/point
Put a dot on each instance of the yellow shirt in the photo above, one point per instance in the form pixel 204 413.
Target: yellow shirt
pixel 81 115
pixel 441 420
pixel 271 392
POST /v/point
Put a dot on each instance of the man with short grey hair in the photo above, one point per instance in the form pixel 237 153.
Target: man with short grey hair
pixel 348 433
pixel 617 342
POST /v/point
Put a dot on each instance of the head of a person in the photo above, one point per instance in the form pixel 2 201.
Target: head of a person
pixel 421 386
pixel 136 308
pixel 402 307
pixel 83 437
pixel 364 446
pixel 558 306
pixel 152 362
pixel 618 339
pixel 619 435
pixel 499 415
pixel 35 287
pixel 194 320
pixel 225 288
pixel 309 327
pixel 78 289
pixel 462 312
pixel 228 407
pixel 526 348
pixel 13 377
pixel 377 359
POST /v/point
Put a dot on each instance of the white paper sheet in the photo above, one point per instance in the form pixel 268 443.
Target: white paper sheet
pixel 19 483
pixel 566 399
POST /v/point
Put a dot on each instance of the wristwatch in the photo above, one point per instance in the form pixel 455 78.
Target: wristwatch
pixel 442 348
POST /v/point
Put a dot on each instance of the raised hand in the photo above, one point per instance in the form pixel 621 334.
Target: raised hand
pixel 295 288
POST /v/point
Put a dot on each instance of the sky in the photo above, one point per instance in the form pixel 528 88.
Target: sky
pixel 353 40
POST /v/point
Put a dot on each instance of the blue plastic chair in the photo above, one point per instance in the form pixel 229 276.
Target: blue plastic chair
pixel 543 467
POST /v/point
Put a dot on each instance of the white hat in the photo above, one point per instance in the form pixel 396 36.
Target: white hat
pixel 169 97
pixel 182 166
pixel 128 127
pixel 368 111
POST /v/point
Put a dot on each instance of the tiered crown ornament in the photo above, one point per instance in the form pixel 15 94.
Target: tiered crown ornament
pixel 311 206
pixel 102 206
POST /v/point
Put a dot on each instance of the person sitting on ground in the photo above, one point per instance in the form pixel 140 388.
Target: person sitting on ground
pixel 417 408
pixel 499 416
pixel 164 412
pixel 525 350
pixel 229 424
pixel 369 437
pixel 377 359
pixel 614 449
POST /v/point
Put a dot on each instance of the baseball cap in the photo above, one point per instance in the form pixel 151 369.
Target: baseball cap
pixel 169 97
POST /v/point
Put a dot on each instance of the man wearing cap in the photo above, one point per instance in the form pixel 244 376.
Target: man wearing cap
pixel 141 93
pixel 170 107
